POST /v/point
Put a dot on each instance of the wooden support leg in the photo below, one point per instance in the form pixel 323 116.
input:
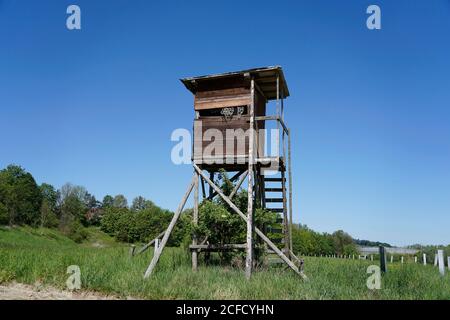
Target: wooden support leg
pixel 251 178
pixel 195 220
pixel 244 217
pixel 290 190
pixel 249 257
pixel 177 214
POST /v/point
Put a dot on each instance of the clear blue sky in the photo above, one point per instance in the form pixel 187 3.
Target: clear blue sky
pixel 369 110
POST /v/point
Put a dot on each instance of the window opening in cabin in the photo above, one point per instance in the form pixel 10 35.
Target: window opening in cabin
pixel 227 113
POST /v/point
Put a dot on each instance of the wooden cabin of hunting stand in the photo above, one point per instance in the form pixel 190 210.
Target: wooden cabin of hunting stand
pixel 223 102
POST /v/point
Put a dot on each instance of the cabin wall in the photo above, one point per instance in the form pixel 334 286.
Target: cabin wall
pixel 222 98
pixel 212 130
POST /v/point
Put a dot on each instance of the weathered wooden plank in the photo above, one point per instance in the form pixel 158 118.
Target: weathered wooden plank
pixel 212 247
pixel 148 245
pixel 238 184
pixel 195 221
pixel 175 218
pixel 250 175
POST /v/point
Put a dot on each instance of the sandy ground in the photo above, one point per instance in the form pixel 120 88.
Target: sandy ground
pixel 18 291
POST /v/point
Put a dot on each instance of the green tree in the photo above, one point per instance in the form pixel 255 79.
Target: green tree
pixel 49 211
pixel 4 215
pixel 108 201
pixel 72 205
pixel 48 216
pixel 342 242
pixel 21 196
pixel 120 201
pixel 140 203
pixel 91 202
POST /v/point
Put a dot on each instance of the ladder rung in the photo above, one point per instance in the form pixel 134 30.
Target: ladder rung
pixel 273 189
pixel 274 199
pixel 275 209
pixel 274 179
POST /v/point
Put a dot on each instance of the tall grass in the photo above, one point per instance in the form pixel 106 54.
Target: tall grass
pixel 29 256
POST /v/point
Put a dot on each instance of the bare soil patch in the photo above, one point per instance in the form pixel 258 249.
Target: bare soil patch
pixel 19 291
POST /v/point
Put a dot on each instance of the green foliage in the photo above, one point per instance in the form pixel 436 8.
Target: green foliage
pixel 129 226
pixel 120 201
pixel 219 225
pixel 76 231
pixel 108 201
pixel 20 195
pixel 50 195
pixel 308 242
pixel 343 243
pixel 4 215
pixel 48 215
pixel 140 203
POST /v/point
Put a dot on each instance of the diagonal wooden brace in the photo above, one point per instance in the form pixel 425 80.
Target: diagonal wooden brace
pixel 244 217
pixel 148 245
pixel 167 233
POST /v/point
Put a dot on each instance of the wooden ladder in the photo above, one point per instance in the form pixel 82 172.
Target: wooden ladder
pixel 275 194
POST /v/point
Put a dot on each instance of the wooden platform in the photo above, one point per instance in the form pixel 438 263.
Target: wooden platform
pixel 239 163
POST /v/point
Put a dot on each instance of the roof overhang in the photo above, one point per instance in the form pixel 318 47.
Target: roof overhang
pixel 265 78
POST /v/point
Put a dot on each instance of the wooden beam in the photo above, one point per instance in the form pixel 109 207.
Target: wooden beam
pixel 244 217
pixel 175 218
pixel 232 180
pixel 238 185
pixel 212 247
pixel 148 245
pixel 195 221
pixel 249 257
pixel 203 189
pixel 210 193
pixel 264 118
pixel 290 189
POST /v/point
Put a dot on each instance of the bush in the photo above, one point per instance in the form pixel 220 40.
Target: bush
pixel 4 216
pixel 77 232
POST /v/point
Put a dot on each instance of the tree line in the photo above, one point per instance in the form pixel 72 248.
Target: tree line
pixel 72 208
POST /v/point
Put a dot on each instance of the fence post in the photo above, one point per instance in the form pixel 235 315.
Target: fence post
pixel 156 246
pixel 392 258
pixel 415 259
pixel 448 262
pixel 424 259
pixel 132 249
pixel 383 264
pixel 403 259
pixel 441 262
pixel 435 260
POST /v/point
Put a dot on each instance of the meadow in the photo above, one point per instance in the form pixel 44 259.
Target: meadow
pixel 42 256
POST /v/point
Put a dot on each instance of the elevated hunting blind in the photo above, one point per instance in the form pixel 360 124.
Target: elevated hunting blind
pixel 229 134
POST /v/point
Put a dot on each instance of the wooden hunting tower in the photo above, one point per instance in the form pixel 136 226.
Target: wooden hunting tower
pixel 230 118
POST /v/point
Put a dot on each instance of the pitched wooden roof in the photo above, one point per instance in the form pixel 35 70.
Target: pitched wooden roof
pixel 265 78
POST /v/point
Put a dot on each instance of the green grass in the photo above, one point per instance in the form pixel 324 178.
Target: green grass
pixel 40 255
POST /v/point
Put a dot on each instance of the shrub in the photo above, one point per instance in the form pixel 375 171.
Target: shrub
pixel 77 232
pixel 4 216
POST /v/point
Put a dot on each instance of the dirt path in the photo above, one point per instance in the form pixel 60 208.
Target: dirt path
pixel 18 291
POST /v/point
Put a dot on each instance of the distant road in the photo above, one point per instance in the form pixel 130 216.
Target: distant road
pixel 374 250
